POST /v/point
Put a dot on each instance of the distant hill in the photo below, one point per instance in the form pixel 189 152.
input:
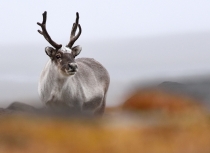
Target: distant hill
pixel 198 90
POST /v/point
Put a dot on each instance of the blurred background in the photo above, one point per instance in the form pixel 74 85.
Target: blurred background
pixel 137 41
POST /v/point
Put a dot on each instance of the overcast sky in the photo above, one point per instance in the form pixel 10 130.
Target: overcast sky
pixel 102 19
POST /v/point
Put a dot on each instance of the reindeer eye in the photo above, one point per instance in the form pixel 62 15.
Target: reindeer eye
pixel 58 56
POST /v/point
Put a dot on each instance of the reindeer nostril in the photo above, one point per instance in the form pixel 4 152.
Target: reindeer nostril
pixel 72 66
pixel 69 65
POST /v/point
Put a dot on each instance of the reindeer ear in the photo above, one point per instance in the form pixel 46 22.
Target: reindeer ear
pixel 76 50
pixel 50 51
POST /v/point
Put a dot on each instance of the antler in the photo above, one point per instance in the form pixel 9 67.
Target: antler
pixel 73 38
pixel 45 33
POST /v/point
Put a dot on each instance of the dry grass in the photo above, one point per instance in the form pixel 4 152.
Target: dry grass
pixel 160 133
pixel 144 128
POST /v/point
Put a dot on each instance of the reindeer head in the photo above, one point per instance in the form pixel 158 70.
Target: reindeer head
pixel 63 57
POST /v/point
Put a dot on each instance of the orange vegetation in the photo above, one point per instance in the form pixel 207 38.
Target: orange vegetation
pixel 125 134
pixel 154 99
pixel 118 131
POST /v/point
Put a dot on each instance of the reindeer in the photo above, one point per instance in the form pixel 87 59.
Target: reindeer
pixel 76 84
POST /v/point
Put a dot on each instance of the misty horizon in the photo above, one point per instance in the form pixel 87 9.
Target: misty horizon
pixel 129 61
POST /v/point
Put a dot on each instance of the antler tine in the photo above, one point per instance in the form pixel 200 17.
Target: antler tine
pixel 45 33
pixel 74 27
pixel 73 38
